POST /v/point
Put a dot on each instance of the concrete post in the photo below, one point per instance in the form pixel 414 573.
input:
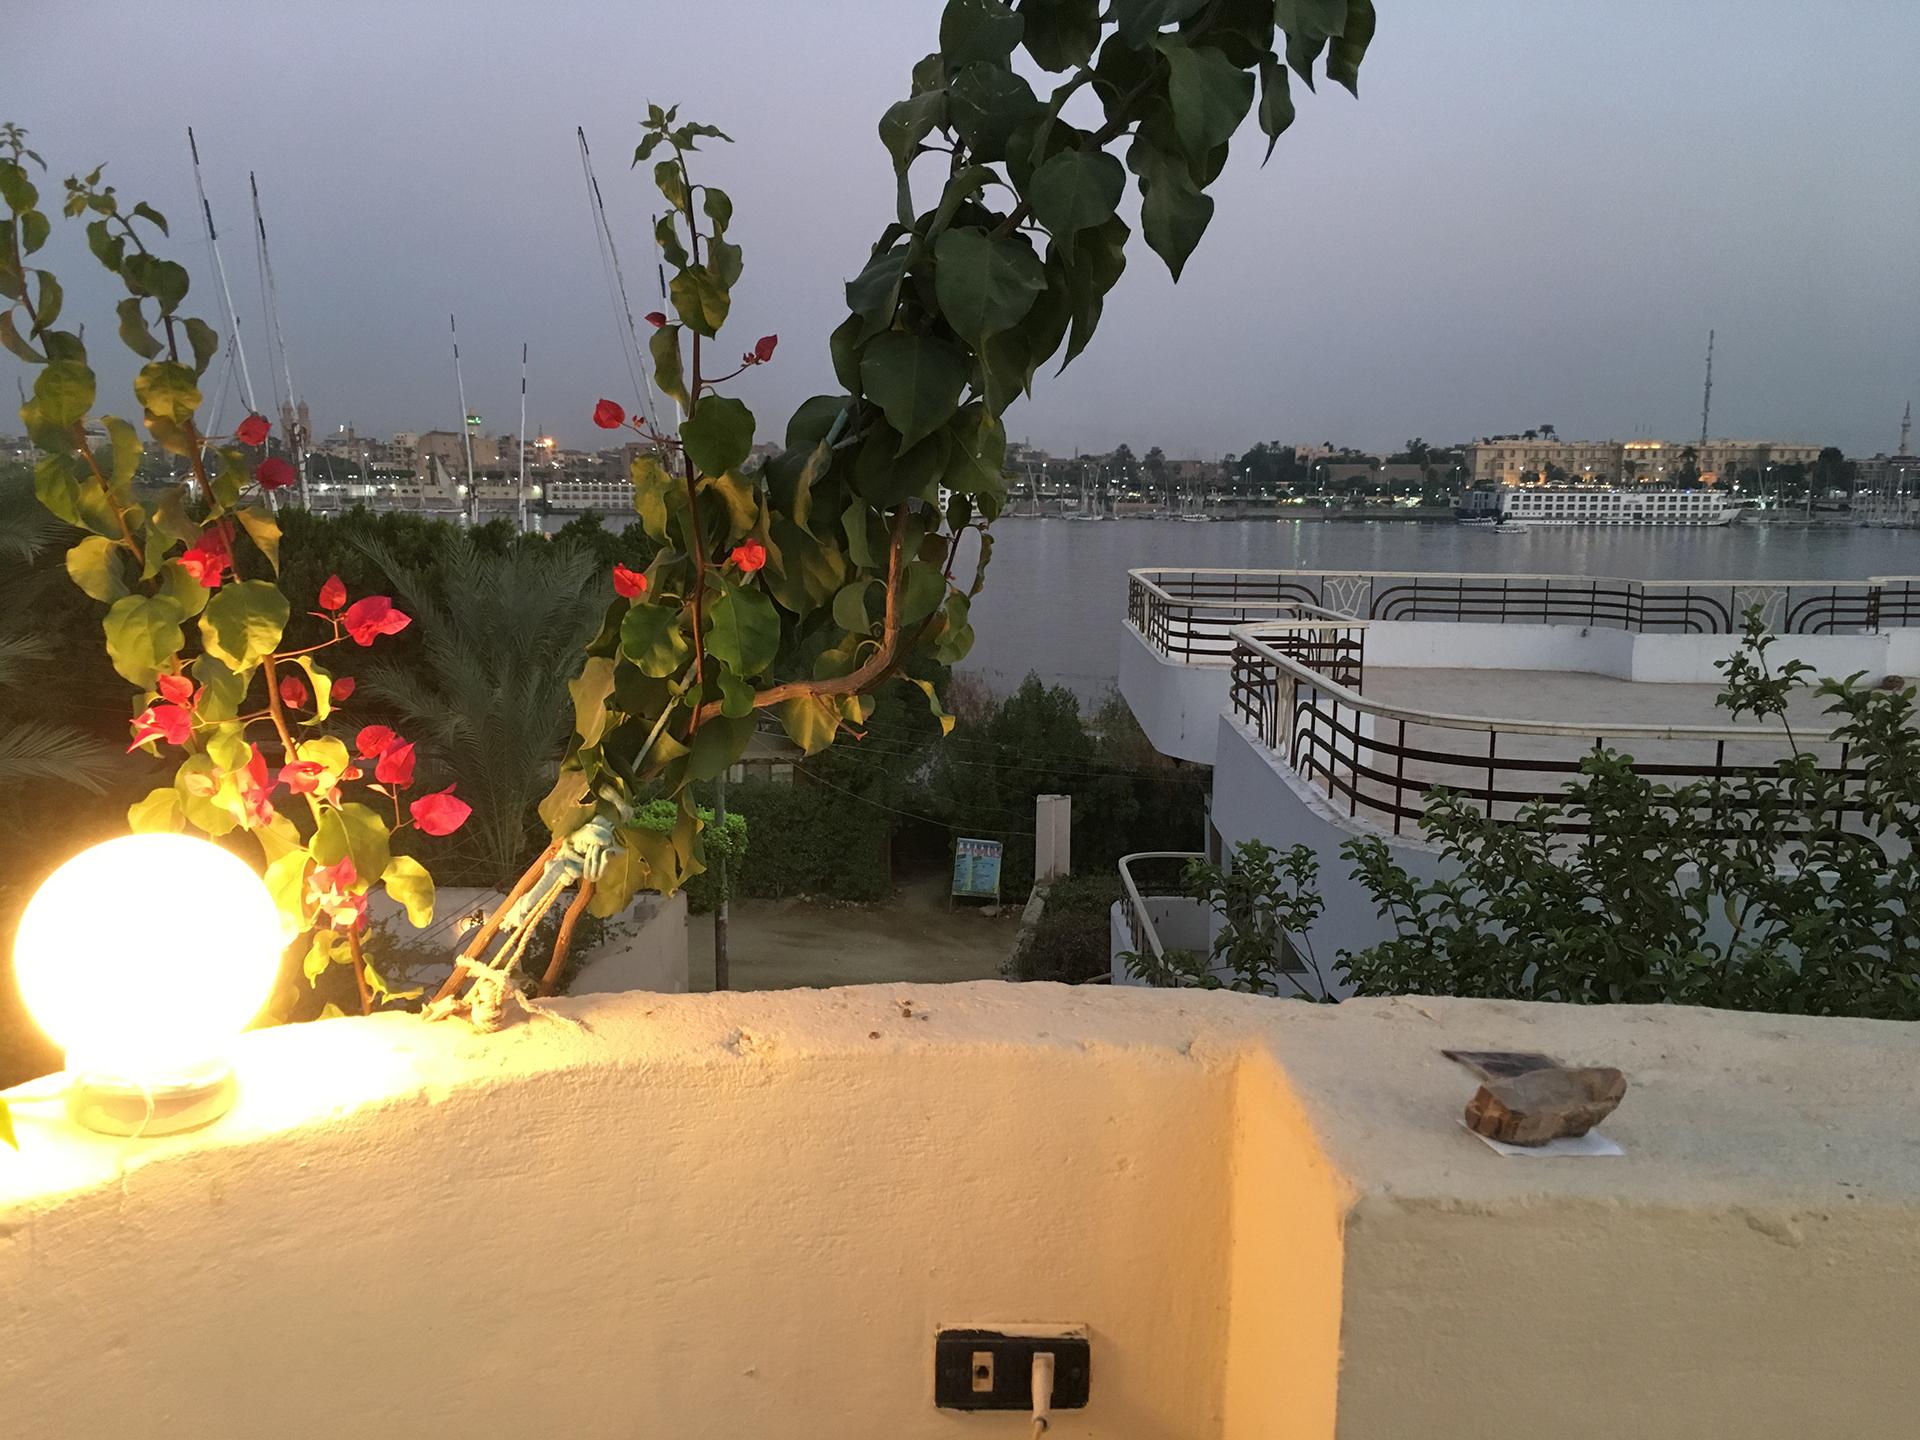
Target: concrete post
pixel 1052 837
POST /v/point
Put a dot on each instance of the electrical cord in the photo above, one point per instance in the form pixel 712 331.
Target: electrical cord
pixel 1042 1392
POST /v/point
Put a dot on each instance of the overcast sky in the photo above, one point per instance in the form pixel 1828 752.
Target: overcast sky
pixel 1534 212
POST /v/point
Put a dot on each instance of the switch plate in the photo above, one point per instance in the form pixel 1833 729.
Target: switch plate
pixel 992 1369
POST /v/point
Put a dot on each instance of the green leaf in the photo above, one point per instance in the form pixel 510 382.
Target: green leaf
pixel 811 721
pixel 63 393
pixel 1061 34
pixel 353 829
pixel 146 212
pixel 143 634
pixel 1350 46
pixel 956 639
pixel 321 685
pixel 1276 103
pixel 717 745
pixel 408 882
pixel 1099 258
pixel 718 435
pixel 158 813
pixel 651 485
pixel 819 461
pixel 672 183
pixel 885 478
pixel 924 587
pixel 723 258
pixel 742 627
pixel 1313 17
pixel 567 806
pixel 243 622
pixel 263 530
pixel 133 329
pixel 1173 214
pixel 1209 93
pixel 185 591
pixel 1303 48
pixel 1139 19
pixel 590 689
pixel 985 285
pixel 700 299
pixel 737 493
pixel 976 465
pixel 165 280
pixel 221 690
pixel 875 291
pixel 802 573
pixel 205 342
pixel 286 882
pixel 126 449
pixel 167 390
pixel 1075 189
pixel 13 340
pixel 850 610
pixel 907 122
pixel 972 30
pixel 664 347
pixel 47 309
pixel 650 637
pixel 34 229
pixel 933 703
pixel 916 381
pixel 95 567
pixel 718 207
pixel 986 103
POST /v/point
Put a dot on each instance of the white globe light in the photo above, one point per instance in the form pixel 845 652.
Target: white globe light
pixel 142 956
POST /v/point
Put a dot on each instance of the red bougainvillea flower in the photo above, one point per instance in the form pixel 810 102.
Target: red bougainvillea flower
pixel 343 687
pixel 293 692
pixel 395 766
pixel 749 556
pixel 440 813
pixel 656 318
pixel 255 790
pixel 209 560
pixel 302 777
pixel 374 741
pixel 367 620
pixel 274 473
pixel 352 772
pixel 609 416
pixel 174 689
pixel 628 582
pixel 253 430
pixel 330 889
pixel 161 722
pixel 763 348
pixel 333 594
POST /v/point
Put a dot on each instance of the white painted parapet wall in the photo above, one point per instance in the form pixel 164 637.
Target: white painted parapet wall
pixel 745 1215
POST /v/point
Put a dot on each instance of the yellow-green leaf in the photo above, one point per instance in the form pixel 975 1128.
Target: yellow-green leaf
pixel 159 812
pixel 264 531
pixel 94 565
pixel 243 622
pixel 590 689
pixel 408 882
pixel 143 633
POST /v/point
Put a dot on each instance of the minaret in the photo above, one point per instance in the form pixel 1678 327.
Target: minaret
pixel 1906 428
pixel 1706 401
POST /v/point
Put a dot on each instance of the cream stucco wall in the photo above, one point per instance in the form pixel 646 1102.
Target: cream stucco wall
pixel 744 1214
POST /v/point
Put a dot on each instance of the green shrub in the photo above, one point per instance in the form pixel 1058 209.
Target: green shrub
pixel 808 840
pixel 1070 943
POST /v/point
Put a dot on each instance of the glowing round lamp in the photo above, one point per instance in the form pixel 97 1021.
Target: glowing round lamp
pixel 142 958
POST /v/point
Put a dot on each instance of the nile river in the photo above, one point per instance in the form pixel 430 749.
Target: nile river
pixel 1056 590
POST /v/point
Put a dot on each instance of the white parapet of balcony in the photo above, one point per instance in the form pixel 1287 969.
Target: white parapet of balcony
pixel 747 1214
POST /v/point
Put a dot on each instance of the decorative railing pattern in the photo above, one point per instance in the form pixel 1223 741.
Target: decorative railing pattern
pixel 1187 614
pixel 1381 760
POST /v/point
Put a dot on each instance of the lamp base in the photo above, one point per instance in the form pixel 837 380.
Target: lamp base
pixel 185 1100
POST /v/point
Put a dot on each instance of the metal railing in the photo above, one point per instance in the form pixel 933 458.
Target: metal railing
pixel 1382 760
pixel 1184 613
pixel 1142 935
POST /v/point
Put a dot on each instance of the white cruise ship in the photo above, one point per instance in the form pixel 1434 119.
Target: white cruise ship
pixel 1531 505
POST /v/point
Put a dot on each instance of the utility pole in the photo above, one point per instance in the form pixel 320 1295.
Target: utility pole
pixel 523 437
pixel 472 506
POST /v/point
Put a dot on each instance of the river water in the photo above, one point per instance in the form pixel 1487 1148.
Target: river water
pixel 1056 589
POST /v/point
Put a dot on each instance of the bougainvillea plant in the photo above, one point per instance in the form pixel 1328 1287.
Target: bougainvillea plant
pixel 795 592
pixel 195 622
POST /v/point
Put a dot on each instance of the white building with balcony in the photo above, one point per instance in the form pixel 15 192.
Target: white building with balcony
pixel 1330 704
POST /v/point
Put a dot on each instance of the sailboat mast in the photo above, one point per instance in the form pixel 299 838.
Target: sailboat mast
pixel 523 437
pixel 466 429
pixel 219 269
pixel 276 339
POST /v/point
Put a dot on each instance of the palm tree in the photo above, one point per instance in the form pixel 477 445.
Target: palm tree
pixel 497 639
pixel 36 749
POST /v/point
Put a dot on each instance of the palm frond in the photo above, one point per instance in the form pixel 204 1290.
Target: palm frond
pixel 37 750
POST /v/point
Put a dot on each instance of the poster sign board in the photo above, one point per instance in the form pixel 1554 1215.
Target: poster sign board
pixel 976 869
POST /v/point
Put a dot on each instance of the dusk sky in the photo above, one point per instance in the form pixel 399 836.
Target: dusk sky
pixel 1534 212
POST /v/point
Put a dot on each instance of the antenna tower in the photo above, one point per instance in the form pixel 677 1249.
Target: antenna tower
pixel 1906 428
pixel 1706 400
